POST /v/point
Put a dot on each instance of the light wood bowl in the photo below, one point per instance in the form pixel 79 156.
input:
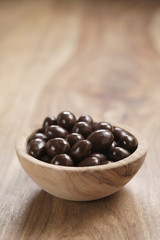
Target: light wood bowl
pixel 82 183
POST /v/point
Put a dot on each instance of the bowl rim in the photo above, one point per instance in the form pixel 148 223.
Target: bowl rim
pixel 141 151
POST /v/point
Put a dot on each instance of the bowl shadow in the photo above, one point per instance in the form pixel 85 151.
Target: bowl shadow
pixel 48 217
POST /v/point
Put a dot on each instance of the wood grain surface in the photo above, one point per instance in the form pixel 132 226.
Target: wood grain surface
pixel 96 57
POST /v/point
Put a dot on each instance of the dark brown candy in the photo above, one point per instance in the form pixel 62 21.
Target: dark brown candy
pixel 63 160
pixel 103 125
pixel 66 119
pixel 126 140
pixel 48 121
pixel 83 128
pixel 36 148
pixel 57 146
pixel 117 154
pixel 113 145
pixel 90 161
pixel 74 138
pixel 86 118
pixel 105 162
pixel 80 150
pixel 37 135
pixel 100 156
pixel 55 131
pixel 118 132
pixel 87 143
pixel 46 158
pixel 40 130
pixel 129 142
pixel 101 140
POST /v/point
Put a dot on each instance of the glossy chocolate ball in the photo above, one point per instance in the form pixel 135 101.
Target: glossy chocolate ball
pixel 90 161
pixel 48 121
pixel 113 145
pixel 86 118
pixel 37 135
pixel 66 119
pixel 103 125
pixel 126 140
pixel 74 138
pixel 80 150
pixel 118 133
pixel 63 160
pixel 36 148
pixel 129 142
pixel 46 158
pixel 118 153
pixel 57 146
pixel 40 130
pixel 100 156
pixel 55 131
pixel 82 128
pixel 101 140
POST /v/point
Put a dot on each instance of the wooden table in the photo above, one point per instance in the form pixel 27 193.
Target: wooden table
pixel 96 57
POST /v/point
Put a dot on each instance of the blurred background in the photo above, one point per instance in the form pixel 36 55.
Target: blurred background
pixel 96 57
pixel 99 57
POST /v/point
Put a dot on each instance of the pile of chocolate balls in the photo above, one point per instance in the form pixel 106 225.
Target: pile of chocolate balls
pixel 68 141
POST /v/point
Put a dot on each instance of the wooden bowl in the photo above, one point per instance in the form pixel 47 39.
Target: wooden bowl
pixel 81 183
